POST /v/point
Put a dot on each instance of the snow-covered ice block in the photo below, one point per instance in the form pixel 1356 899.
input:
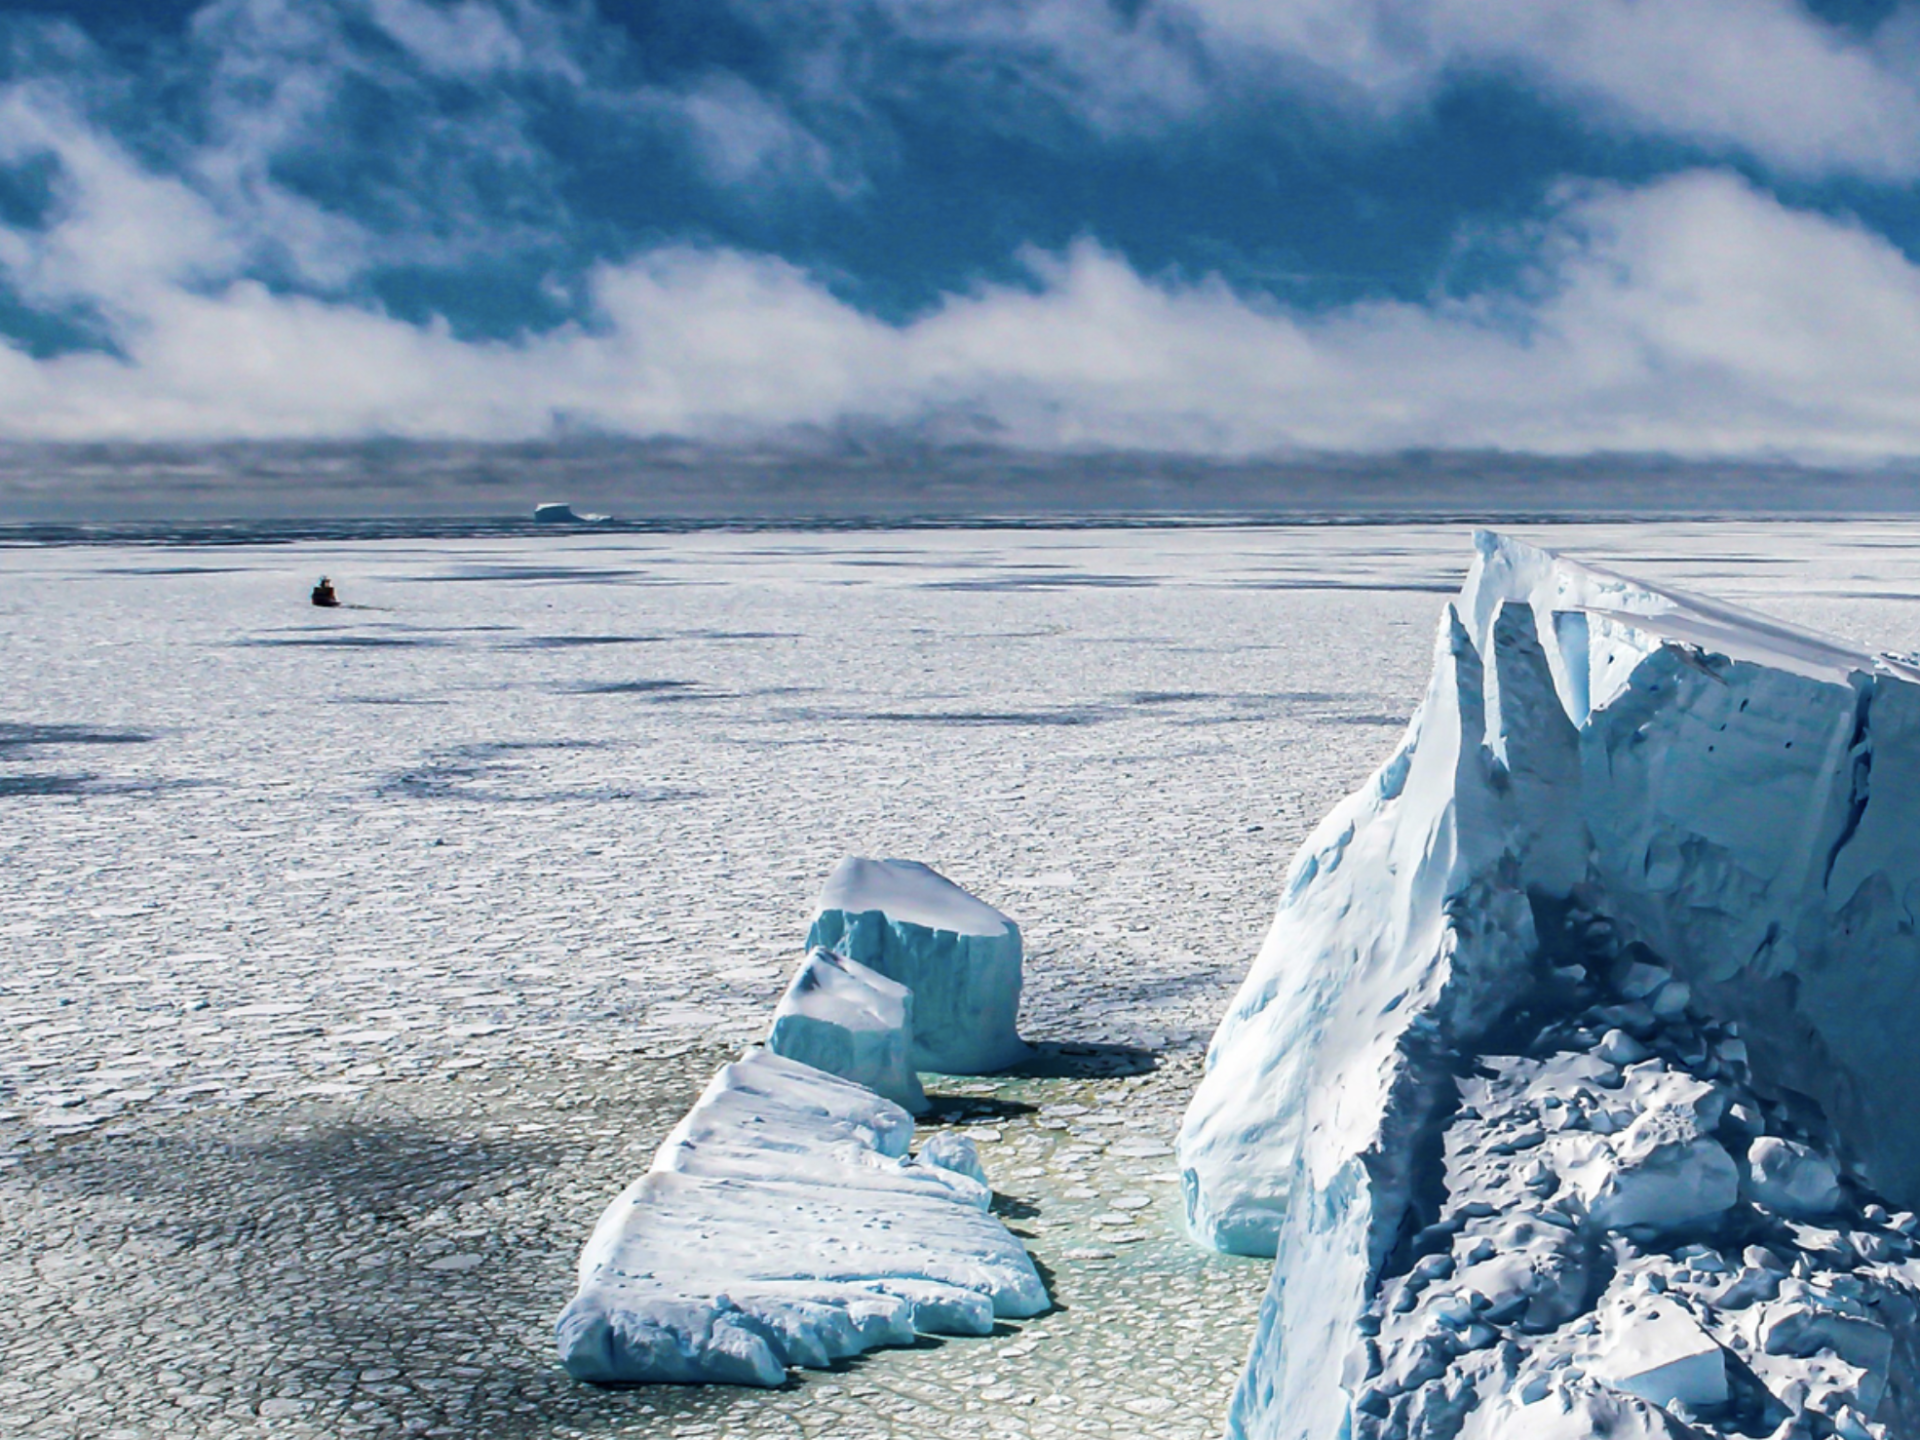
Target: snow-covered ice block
pixel 959 956
pixel 1655 1350
pixel 1585 1417
pixel 841 1017
pixel 1702 792
pixel 1803 1323
pixel 1792 1178
pixel 953 1152
pixel 1665 1171
pixel 782 1224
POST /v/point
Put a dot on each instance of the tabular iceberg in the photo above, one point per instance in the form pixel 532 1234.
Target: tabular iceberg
pixel 1571 1020
pixel 782 1223
pixel 841 1017
pixel 958 955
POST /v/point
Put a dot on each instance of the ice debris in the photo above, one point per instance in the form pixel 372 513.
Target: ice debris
pixel 782 1223
pixel 1570 1087
pixel 958 955
pixel 1584 1248
pixel 1652 1348
pixel 1791 1178
pixel 841 1017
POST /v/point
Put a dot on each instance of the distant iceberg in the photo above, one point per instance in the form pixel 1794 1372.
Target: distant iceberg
pixel 558 512
pixel 1572 1087
pixel 782 1223
pixel 959 956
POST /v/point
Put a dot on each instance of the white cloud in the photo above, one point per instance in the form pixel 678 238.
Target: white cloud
pixel 414 129
pixel 745 139
pixel 1697 315
pixel 125 234
pixel 477 39
pixel 1761 77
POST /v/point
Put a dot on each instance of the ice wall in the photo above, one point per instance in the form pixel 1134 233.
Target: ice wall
pixel 1714 790
pixel 958 955
pixel 782 1223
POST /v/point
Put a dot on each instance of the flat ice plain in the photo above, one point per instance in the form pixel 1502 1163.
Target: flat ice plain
pixel 350 961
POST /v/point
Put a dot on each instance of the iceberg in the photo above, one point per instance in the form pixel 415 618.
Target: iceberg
pixel 841 1017
pixel 958 955
pixel 783 1223
pixel 558 512
pixel 1584 1022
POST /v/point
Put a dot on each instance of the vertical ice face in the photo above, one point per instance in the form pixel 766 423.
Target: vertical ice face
pixel 1622 822
pixel 958 955
pixel 841 1017
pixel 781 1224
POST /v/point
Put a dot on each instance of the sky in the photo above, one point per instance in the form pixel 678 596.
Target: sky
pixel 1217 229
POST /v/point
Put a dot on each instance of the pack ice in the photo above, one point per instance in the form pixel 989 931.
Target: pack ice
pixel 783 1223
pixel 958 955
pixel 1572 1088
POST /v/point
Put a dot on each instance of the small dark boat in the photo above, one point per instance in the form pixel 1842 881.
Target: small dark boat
pixel 323 593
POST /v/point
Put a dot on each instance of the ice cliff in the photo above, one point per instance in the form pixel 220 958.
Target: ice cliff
pixel 1571 1088
pixel 958 955
pixel 783 1223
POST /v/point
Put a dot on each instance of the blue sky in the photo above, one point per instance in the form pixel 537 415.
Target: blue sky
pixel 1207 227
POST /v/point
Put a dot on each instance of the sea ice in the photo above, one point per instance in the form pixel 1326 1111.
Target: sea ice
pixel 1586 990
pixel 841 1017
pixel 958 955
pixel 783 1224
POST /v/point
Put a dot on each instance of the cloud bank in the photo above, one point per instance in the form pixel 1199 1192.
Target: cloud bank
pixel 213 275
pixel 1763 78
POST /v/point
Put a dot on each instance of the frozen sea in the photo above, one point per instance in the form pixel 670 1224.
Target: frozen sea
pixel 350 961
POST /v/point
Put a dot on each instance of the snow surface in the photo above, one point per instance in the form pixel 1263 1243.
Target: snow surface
pixel 782 1224
pixel 959 956
pixel 909 893
pixel 841 1017
pixel 1719 803
pixel 325 915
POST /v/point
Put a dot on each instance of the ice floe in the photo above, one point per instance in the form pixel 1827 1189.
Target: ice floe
pixel 782 1223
